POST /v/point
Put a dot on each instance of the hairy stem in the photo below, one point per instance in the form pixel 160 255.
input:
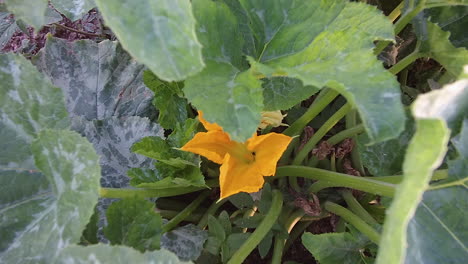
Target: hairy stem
pixel 354 220
pixel 256 237
pixel 329 124
pixel 402 64
pixel 280 242
pixel 357 208
pixel 339 179
pixel 211 211
pixel 347 133
pixel 185 213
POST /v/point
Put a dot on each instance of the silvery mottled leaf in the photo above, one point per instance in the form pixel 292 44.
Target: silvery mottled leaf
pixel 73 9
pixel 28 103
pixel 7 28
pixel 32 15
pixel 102 254
pixel 282 93
pixel 42 214
pixel 186 241
pixel 99 80
pixel 112 139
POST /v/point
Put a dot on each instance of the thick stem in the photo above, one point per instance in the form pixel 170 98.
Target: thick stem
pixel 353 219
pixel 317 106
pixel 169 214
pixel 402 64
pixel 211 211
pixel 347 133
pixel 329 124
pixel 351 121
pixel 280 242
pixel 185 213
pixel 357 208
pixel 339 179
pixel 256 237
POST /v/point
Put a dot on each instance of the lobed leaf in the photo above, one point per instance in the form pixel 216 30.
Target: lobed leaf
pixel 35 17
pixel 185 241
pixel 433 112
pixel 8 27
pixel 159 34
pixel 73 9
pixel 99 80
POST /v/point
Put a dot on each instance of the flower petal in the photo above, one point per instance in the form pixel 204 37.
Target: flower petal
pixel 208 126
pixel 212 144
pixel 268 150
pixel 237 176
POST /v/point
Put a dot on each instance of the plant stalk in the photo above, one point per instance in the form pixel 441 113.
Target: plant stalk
pixel 353 219
pixel 256 237
pixel 185 213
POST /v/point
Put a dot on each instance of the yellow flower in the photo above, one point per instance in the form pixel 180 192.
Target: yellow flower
pixel 243 163
pixel 271 118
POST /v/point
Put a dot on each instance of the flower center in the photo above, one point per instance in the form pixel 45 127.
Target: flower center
pixel 240 152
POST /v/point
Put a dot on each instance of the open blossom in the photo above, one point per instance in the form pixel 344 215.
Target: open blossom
pixel 243 164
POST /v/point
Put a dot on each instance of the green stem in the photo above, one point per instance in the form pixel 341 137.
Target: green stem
pixel 317 106
pixel 280 242
pixel 186 212
pixel 396 12
pixel 399 26
pixel 247 214
pixel 329 124
pixel 256 237
pixel 357 208
pixel 339 179
pixel 211 211
pixel 169 214
pixel 402 64
pixel 353 219
pixel 351 121
pixel 347 133
pixel 395 179
pixel 149 193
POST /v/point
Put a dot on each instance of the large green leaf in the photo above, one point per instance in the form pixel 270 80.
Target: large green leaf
pixel 133 222
pixel 225 93
pixel 39 221
pixel 438 231
pixel 427 148
pixel 73 9
pixel 112 138
pixel 185 241
pixel 333 248
pixel 99 80
pixel 281 93
pixel 386 158
pixel 168 99
pixel 35 16
pixel 8 27
pixel 98 254
pixel 329 43
pixel 436 44
pixel 159 34
pixel 28 103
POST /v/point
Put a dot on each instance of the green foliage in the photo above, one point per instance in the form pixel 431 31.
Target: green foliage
pixel 158 34
pixel 134 223
pixel 334 248
pixel 186 241
pixel 32 16
pixel 73 9
pixel 168 99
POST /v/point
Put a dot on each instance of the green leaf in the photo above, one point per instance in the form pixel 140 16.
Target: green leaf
pixel 33 16
pixel 28 104
pixel 159 34
pixel 215 229
pixel 89 235
pixel 8 27
pixel 133 222
pixel 158 149
pixel 73 9
pixel 386 158
pixel 51 216
pixel 185 241
pixel 437 232
pixel 433 111
pixel 112 138
pixel 281 93
pixel 329 43
pixel 265 245
pixel 227 95
pixel 99 80
pixel 438 46
pixel 334 248
pixel 241 200
pixel 113 254
pixel 168 99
